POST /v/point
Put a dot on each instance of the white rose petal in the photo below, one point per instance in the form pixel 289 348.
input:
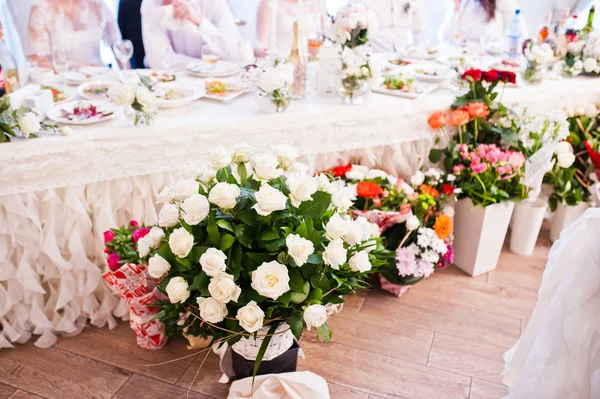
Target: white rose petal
pixel 224 195
pixel 271 79
pixel 266 166
pixel 271 280
pixel 213 261
pixel 375 173
pixel 359 262
pixel 195 209
pixel 177 290
pixel 185 188
pixel 29 124
pixel 590 65
pixel 66 130
pixel 591 111
pixel 220 157
pixel 168 215
pixel 565 160
pixel 223 288
pixel 299 248
pixel 370 230
pixel 122 95
pixel 251 317
pixel 166 195
pixel 564 147
pixel 358 172
pixel 335 254
pixel 323 182
pixel 354 233
pixel 286 155
pixel 268 200
pixel 144 245
pixel 158 266
pixel 417 179
pixel 242 153
pixel 302 187
pixel 413 223
pixel 145 98
pixel 336 227
pixel 156 234
pixel 211 310
pixel 299 167
pixel 181 242
pixel 315 316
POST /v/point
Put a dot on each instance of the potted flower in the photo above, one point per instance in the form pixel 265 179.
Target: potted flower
pixel 138 100
pixel 272 84
pixel 256 251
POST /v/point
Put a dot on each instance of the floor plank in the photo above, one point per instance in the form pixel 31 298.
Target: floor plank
pixel 6 391
pixel 467 357
pixel 153 389
pixel 487 390
pixel 207 380
pixel 55 373
pixel 24 395
pixel 340 392
pixel 125 353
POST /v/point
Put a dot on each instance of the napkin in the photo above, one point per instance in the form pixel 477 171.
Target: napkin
pixel 172 23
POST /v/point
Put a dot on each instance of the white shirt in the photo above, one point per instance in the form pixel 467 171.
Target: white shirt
pixel 399 22
pixel 471 21
pixel 168 48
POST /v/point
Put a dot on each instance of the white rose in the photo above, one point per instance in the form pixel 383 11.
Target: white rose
pixel 370 230
pixel 195 209
pixel 177 290
pixel 299 167
pixel 211 310
pixel 224 195
pixel 286 155
pixel 268 200
pixel 354 233
pixel 335 254
pixel 181 242
pixel 342 200
pixel 271 79
pixel 590 65
pixel 251 317
pixel 158 266
pixel 336 227
pixel 591 111
pixel 203 173
pixel 302 187
pixel 315 316
pixel 579 110
pixel 168 215
pixel 223 288
pixel 156 234
pixel 413 223
pixel 565 160
pixel 359 262
pixel 235 173
pixel 145 97
pixel 323 183
pixel 299 248
pixel 66 130
pixel 375 173
pixel 242 153
pixel 564 147
pixel 271 280
pixel 358 172
pixel 266 166
pixel 417 179
pixel 29 124
pixel 570 110
pixel 220 157
pixel 122 95
pixel 166 195
pixel 186 188
pixel 213 261
pixel 144 245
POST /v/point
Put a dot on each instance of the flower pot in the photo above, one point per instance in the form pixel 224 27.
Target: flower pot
pixel 527 221
pixel 394 289
pixel 284 363
pixel 564 216
pixel 479 234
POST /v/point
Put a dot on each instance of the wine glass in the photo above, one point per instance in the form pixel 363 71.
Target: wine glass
pixel 209 57
pixel 60 61
pixel 123 50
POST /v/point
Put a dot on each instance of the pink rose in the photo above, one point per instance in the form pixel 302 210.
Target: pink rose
pixel 139 233
pixel 108 236
pixel 113 262
pixel 516 160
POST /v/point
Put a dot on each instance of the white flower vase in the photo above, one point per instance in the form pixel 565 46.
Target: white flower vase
pixel 354 91
pixel 526 223
pixel 140 118
pixel 564 216
pixel 479 234
pixel 276 102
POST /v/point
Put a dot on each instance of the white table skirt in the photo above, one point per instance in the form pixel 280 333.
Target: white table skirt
pixel 58 194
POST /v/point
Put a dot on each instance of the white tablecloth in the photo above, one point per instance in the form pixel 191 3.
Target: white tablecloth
pixel 58 194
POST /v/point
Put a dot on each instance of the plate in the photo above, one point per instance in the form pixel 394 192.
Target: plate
pixel 219 70
pixel 234 90
pixel 156 76
pixel 56 114
pixel 58 95
pixel 422 88
pixel 190 94
pixel 83 74
pixel 95 90
pixel 430 73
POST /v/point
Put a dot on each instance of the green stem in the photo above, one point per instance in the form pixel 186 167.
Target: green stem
pixel 476 120
pixel 460 139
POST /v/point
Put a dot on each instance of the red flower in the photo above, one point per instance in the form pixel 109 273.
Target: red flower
pixel 113 262
pixel 340 171
pixel 447 189
pixel 491 76
pixel 368 190
pixel 594 156
pixel 508 77
pixel 108 236
pixel 472 75
pixel 139 233
pixel 134 223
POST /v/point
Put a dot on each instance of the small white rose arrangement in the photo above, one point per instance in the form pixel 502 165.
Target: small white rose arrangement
pixel 21 122
pixel 272 83
pixel 137 99
pixel 538 58
pixel 352 24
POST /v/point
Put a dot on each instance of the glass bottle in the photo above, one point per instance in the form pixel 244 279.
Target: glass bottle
pixel 297 58
pixel 561 38
pixel 545 30
pixel 588 28
pixel 9 66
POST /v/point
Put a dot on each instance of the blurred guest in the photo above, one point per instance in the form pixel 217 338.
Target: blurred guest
pixel 76 27
pixel 287 11
pixel 176 32
pixel 130 23
pixel 472 20
pixel 402 23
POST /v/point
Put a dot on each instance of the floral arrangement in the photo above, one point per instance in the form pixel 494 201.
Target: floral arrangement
pixel 355 69
pixel 22 122
pixel 137 97
pixel 272 82
pixel 352 25
pixel 582 56
pixel 131 244
pixel 538 57
pixel 255 241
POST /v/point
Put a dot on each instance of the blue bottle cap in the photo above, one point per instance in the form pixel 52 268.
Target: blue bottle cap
pixel 517 12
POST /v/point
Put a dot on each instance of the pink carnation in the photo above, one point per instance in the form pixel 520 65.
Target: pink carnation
pixel 113 261
pixel 479 168
pixel 516 159
pixel 139 233
pixel 108 236
pixel 133 223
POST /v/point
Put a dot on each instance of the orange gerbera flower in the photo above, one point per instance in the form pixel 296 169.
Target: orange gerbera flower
pixel 367 189
pixel 437 120
pixel 478 110
pixel 425 189
pixel 443 226
pixel 459 117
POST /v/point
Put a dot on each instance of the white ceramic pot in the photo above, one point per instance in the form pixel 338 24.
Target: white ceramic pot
pixel 479 235
pixel 527 221
pixel 564 216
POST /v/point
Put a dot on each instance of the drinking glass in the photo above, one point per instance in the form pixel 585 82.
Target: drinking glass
pixel 60 61
pixel 123 50
pixel 209 56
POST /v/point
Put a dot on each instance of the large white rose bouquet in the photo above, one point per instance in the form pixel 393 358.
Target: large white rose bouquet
pixel 255 241
pixel 272 82
pixel 137 97
pixel 583 56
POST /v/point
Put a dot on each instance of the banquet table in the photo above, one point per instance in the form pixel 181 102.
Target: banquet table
pixel 59 193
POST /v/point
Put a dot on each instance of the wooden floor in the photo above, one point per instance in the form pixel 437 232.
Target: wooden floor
pixel 444 339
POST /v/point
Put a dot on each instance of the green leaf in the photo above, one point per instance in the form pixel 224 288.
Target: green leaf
pixel 302 230
pixel 275 245
pixel 185 262
pixel 213 231
pixel 320 281
pixel 314 259
pixel 325 332
pixel 226 242
pixel 317 207
pixel 315 295
pixel 435 155
pixel 225 225
pixel 296 280
pixel 297 297
pixel 262 350
pixel 247 216
pixel 269 234
pixel 297 325
pixel 241 169
pixel 338 280
pixel 200 281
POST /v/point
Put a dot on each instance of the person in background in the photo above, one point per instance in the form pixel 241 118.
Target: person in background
pixel 75 26
pixel 312 23
pixel 402 24
pixel 176 32
pixel 130 24
pixel 472 20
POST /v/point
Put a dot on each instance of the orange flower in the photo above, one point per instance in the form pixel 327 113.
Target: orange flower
pixel 478 110
pixel 443 226
pixel 368 189
pixel 459 117
pixel 437 120
pixel 425 189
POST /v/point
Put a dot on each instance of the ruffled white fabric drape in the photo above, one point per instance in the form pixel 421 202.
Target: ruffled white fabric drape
pixel 558 356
